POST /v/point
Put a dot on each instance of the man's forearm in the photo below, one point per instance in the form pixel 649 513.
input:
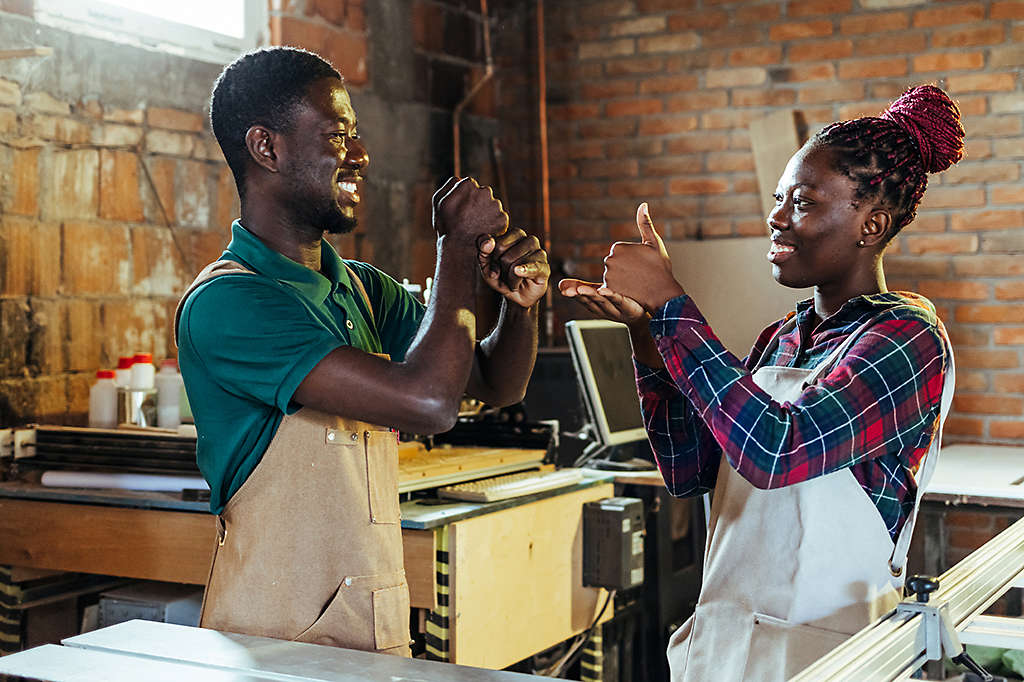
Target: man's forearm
pixel 440 358
pixel 505 358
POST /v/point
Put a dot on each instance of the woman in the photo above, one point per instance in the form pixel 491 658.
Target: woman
pixel 818 445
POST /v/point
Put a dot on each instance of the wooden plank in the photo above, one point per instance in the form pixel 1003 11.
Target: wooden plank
pixel 146 544
pixel 419 567
pixel 517 580
pixel 773 139
pixel 419 469
pixel 133 543
pixel 21 52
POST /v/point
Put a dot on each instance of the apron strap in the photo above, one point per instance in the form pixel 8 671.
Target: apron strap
pixel 362 291
pixel 931 460
pixel 214 269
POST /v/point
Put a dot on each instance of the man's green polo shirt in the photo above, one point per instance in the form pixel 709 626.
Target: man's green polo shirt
pixel 246 342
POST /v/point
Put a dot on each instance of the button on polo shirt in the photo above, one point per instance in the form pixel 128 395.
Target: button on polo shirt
pixel 246 342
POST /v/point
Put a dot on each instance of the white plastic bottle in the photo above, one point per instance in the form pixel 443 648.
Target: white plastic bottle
pixel 123 373
pixel 103 401
pixel 143 371
pixel 168 395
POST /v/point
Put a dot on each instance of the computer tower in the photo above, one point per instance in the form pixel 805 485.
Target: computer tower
pixel 613 543
pixel 635 639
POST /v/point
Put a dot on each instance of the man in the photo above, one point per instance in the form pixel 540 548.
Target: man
pixel 299 364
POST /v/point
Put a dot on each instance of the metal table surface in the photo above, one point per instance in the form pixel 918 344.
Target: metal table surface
pixel 271 658
pixel 417 513
pixel 156 652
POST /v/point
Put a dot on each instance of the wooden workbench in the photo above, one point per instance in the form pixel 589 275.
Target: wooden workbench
pixel 499 582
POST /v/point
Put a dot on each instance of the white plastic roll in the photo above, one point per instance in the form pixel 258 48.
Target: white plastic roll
pixel 150 482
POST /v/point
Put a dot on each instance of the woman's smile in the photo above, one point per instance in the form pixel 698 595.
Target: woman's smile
pixel 780 252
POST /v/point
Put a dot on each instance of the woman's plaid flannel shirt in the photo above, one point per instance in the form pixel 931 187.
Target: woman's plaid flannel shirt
pixel 874 412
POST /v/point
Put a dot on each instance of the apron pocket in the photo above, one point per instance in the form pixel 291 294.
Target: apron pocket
pixel 679 648
pixel 382 476
pixel 391 617
pixel 369 612
pixel 780 649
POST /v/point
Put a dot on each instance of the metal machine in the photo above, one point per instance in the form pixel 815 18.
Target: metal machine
pixel 944 615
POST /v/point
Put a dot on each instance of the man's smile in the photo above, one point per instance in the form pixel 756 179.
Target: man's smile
pixel 348 190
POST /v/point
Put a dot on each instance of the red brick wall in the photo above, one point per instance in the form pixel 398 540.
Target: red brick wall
pixel 335 29
pixel 650 99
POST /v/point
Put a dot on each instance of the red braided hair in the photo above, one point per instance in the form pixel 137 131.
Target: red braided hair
pixel 889 156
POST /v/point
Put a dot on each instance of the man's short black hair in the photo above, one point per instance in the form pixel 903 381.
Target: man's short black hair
pixel 261 87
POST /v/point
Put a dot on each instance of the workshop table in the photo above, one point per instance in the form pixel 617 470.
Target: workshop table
pixel 970 478
pixel 496 582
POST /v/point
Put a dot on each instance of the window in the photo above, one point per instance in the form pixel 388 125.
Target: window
pixel 210 31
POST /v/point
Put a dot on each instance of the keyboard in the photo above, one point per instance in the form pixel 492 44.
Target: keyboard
pixel 511 485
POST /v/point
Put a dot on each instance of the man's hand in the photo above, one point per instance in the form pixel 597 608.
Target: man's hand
pixel 514 265
pixel 642 272
pixel 603 302
pixel 466 211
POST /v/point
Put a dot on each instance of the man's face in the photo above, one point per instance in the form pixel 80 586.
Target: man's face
pixel 325 159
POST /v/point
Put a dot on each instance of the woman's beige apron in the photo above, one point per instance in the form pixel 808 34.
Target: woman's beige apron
pixel 789 573
pixel 310 547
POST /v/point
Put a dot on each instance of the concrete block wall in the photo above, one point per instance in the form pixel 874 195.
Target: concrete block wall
pixel 649 100
pixel 113 193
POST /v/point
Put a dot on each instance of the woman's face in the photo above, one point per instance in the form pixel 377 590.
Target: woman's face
pixel 816 223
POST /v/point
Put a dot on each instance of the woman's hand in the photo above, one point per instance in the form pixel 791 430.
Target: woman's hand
pixel 603 302
pixel 641 271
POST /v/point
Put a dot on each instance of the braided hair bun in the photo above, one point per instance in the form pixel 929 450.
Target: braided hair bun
pixel 932 120
pixel 888 157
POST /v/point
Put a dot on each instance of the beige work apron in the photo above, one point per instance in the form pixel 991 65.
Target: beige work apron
pixel 310 547
pixel 790 573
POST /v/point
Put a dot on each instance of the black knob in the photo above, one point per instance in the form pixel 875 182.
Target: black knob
pixel 922 586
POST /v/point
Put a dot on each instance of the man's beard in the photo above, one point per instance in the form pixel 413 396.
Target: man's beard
pixel 338 223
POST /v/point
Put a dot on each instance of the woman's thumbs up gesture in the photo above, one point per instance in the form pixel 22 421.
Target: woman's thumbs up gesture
pixel 641 271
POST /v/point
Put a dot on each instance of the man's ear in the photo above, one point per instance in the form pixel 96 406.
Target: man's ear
pixel 877 227
pixel 260 143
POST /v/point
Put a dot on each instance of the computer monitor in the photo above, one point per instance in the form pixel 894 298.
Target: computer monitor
pixel 603 359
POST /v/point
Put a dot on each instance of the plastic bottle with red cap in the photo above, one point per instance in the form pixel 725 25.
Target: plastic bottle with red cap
pixel 103 401
pixel 143 371
pixel 123 373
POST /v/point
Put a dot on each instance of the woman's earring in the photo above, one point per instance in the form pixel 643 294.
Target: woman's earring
pixel 860 243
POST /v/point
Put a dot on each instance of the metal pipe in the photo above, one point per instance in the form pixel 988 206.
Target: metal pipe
pixel 545 200
pixel 488 73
